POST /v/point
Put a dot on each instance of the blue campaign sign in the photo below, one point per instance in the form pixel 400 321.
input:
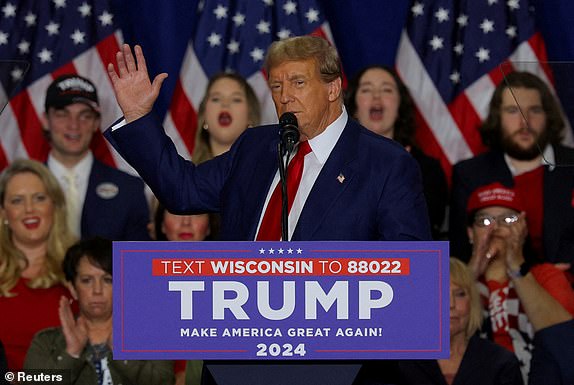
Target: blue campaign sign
pixel 281 300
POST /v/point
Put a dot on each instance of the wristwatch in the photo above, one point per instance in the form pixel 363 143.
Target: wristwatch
pixel 521 272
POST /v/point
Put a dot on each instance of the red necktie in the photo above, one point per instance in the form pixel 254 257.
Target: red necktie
pixel 270 229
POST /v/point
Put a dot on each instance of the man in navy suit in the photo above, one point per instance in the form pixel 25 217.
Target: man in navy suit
pixel 102 201
pixel 356 185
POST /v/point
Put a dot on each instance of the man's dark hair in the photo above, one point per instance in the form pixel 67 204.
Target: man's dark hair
pixel 97 250
pixel 491 129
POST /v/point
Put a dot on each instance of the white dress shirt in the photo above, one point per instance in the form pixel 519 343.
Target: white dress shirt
pixel 321 147
pixel 81 175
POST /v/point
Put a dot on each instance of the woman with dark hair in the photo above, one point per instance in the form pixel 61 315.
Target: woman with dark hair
pixel 381 102
pixel 83 345
pixel 228 107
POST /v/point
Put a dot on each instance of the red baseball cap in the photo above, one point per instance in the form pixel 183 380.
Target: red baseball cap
pixel 494 194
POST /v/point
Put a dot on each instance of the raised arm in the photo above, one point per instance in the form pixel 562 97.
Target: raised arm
pixel 134 91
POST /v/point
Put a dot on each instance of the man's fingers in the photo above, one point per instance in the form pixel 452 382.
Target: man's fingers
pixel 129 59
pixel 112 73
pixel 141 64
pixel 157 82
pixel 122 69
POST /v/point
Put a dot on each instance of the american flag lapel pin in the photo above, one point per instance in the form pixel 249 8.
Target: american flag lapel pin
pixel 341 178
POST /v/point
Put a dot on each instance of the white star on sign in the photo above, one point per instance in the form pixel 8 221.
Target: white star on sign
pixel 268 2
pixel 261 251
pixel 271 251
pixel 289 251
pixel 280 251
pixel 60 3
pixel 299 251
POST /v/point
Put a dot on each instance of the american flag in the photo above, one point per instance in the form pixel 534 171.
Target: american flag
pixel 452 54
pixel 234 35
pixel 54 37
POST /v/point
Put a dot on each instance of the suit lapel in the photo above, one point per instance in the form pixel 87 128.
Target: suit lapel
pixel 333 179
pixel 262 177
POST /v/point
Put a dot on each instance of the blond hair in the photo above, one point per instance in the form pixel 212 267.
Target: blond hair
pixel 301 48
pixel 12 259
pixel 461 276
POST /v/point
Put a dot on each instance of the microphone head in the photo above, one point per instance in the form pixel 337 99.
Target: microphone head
pixel 289 132
pixel 288 119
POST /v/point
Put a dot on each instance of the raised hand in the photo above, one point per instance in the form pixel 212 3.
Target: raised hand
pixel 134 91
pixel 75 331
pixel 481 254
pixel 514 235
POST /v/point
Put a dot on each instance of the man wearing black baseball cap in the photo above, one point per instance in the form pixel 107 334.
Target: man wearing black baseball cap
pixel 101 200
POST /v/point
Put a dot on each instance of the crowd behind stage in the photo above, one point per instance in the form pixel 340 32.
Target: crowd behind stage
pixel 508 214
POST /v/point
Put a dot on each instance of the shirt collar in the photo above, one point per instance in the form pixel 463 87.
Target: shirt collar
pixel 548 159
pixel 323 144
pixel 81 169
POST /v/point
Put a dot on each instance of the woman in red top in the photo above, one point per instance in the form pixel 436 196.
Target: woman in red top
pixel 34 237
pixel 520 296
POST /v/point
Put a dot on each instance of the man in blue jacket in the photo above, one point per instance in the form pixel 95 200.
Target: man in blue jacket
pixel 355 185
pixel 102 201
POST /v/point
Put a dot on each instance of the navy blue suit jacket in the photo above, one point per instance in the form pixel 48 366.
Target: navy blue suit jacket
pixel 115 206
pixel 380 198
pixel 558 190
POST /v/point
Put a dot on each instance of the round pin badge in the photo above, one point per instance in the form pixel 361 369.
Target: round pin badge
pixel 107 190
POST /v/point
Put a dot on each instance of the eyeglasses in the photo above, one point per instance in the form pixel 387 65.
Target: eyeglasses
pixel 489 220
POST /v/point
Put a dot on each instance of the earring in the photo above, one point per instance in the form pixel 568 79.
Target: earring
pixel 205 126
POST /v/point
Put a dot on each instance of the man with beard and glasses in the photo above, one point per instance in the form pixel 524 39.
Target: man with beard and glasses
pixel 523 131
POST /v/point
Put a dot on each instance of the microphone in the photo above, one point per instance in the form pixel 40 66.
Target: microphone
pixel 289 131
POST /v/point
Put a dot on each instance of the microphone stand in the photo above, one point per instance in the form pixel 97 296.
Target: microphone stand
pixel 282 150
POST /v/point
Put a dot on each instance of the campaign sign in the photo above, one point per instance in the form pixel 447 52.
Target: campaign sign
pixel 281 300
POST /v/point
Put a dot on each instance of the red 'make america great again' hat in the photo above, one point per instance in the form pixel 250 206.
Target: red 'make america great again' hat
pixel 494 194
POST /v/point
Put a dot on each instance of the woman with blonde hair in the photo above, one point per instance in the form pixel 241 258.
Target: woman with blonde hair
pixel 34 237
pixel 472 360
